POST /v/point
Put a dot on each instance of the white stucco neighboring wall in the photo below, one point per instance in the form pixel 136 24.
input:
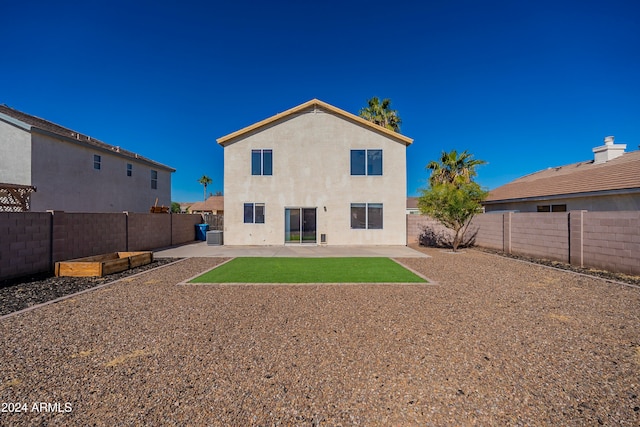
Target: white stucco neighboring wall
pixel 15 154
pixel 64 175
pixel 311 169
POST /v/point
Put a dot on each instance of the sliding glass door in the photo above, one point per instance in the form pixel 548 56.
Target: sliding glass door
pixel 300 225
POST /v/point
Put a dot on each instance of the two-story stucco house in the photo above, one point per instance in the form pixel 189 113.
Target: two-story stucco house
pixel 315 174
pixel 76 173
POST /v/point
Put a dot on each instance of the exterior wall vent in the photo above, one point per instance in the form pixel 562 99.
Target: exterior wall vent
pixel 323 238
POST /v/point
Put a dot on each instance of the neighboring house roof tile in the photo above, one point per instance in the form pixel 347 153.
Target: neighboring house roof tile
pixel 213 203
pixel 307 105
pixel 621 173
pixel 50 127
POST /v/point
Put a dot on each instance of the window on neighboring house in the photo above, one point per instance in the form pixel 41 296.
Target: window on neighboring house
pixel 261 162
pixel 254 213
pixel 552 208
pixel 97 161
pixel 154 180
pixel 366 215
pixel 366 162
pixel 129 169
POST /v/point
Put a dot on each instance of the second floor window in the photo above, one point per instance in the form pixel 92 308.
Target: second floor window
pixel 129 169
pixel 366 162
pixel 261 162
pixel 154 180
pixel 97 161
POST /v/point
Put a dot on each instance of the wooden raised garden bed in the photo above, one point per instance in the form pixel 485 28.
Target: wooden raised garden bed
pixel 101 265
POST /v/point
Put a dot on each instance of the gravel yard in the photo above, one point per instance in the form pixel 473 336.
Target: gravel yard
pixel 495 342
pixel 25 292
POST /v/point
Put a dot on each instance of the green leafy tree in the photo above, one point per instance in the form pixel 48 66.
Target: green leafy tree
pixel 454 206
pixel 453 199
pixel 454 168
pixel 381 114
pixel 205 181
pixel 175 207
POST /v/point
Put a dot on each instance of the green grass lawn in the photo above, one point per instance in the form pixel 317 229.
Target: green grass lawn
pixel 309 270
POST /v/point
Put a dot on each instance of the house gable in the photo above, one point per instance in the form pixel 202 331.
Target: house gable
pixel 311 106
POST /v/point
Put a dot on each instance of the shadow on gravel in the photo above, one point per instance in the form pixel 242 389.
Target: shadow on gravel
pixel 603 274
pixel 18 294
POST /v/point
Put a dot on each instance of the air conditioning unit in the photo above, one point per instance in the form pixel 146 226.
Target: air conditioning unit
pixel 214 238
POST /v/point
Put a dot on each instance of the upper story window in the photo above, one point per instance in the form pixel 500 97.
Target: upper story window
pixel 261 162
pixel 97 161
pixel 154 180
pixel 366 162
pixel 129 169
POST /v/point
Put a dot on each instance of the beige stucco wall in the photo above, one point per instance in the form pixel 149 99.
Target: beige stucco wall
pixel 15 155
pixel 65 179
pixel 614 202
pixel 311 168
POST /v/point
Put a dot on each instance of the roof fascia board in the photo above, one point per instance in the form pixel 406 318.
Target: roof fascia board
pixel 15 122
pixel 622 191
pixel 345 114
pixel 139 159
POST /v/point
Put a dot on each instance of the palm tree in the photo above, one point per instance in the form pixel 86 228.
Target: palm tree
pixel 381 114
pixel 205 180
pixel 453 168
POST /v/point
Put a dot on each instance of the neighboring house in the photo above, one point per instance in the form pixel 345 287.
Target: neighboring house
pixel 74 172
pixel 412 206
pixel 315 174
pixel 184 207
pixel 213 205
pixel 609 182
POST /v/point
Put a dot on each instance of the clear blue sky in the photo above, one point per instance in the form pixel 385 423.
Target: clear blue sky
pixel 524 85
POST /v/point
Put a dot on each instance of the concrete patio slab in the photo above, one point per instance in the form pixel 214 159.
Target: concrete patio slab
pixel 201 249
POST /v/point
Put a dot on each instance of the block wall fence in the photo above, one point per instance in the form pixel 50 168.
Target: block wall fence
pixel 31 242
pixel 603 240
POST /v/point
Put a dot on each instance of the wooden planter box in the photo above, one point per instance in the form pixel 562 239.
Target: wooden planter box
pixel 101 265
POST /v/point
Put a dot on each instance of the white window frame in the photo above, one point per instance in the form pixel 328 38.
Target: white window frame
pixel 366 215
pixel 253 213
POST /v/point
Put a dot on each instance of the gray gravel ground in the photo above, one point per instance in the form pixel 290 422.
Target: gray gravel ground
pixel 495 342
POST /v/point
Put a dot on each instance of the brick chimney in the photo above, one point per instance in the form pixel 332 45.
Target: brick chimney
pixel 608 151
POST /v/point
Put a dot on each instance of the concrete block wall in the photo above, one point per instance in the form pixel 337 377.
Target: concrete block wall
pixel 416 225
pixel 541 235
pixel 490 231
pixel 605 240
pixel 183 228
pixel 31 242
pixel 611 241
pixel 149 231
pixel 25 243
pixel 77 235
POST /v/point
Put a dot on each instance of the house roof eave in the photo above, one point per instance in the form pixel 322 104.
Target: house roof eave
pixel 622 191
pixel 106 148
pixel 395 135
